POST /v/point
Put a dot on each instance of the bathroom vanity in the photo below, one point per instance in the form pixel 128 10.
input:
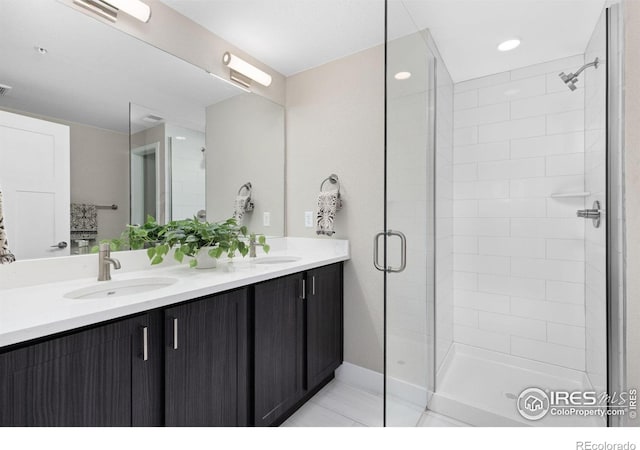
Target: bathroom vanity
pixel 242 345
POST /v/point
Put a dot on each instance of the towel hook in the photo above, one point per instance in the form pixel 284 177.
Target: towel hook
pixel 249 205
pixel 333 179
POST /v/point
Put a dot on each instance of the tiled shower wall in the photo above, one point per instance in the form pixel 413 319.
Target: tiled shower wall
pixel 595 162
pixel 518 252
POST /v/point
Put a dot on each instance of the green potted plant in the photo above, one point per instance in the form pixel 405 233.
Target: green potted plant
pixel 203 242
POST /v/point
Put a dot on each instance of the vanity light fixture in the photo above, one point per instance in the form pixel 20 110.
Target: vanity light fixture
pixel 243 72
pixel 108 9
pixel 402 75
pixel 226 80
pixel 509 45
pixel 181 138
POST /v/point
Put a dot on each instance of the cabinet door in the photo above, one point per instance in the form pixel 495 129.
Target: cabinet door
pixel 83 379
pixel 205 362
pixel 278 347
pixel 324 323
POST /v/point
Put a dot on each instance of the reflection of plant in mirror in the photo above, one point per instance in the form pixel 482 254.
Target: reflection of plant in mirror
pixel 188 237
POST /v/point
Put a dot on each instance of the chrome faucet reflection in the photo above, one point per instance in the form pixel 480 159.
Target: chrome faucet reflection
pixel 105 261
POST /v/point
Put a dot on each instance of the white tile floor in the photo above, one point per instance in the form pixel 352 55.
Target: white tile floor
pixel 341 405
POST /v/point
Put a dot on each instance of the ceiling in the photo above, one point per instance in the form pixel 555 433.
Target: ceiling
pixel 295 35
pixel 92 71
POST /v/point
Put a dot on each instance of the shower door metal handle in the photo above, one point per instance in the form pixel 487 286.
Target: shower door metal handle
pixel 403 251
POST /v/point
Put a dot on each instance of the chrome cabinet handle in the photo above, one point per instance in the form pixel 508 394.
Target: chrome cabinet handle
pixel 175 333
pixel 145 343
pixel 403 251
pixel 313 285
pixel 60 245
pixel 303 294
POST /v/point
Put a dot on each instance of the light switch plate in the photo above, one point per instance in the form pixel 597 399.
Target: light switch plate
pixel 308 219
pixel 266 219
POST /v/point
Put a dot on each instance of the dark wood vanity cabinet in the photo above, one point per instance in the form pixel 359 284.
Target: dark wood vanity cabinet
pixel 245 357
pixel 278 347
pixel 96 377
pixel 206 366
pixel 298 339
pixel 324 323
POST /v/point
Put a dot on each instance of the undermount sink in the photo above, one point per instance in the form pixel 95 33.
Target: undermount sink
pixel 110 289
pixel 276 259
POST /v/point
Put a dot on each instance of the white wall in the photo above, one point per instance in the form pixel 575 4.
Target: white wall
pixel 519 254
pixel 595 182
pixel 335 124
pixel 245 139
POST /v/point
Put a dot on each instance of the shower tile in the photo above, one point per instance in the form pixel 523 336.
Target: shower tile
pixel 571 164
pixel 547 352
pixel 465 100
pixel 508 169
pixel 465 280
pixel 510 325
pixel 566 122
pixel 546 186
pixel 481 338
pixel 481 227
pixel 481 301
pixel 465 208
pixel 547 228
pixel 481 189
pixel 570 271
pixel 507 246
pixel 564 207
pixel 482 115
pixel 465 136
pixel 466 317
pixel 466 244
pixel 481 264
pixel 559 291
pixel 547 145
pixel 481 152
pixel 512 207
pixel 513 129
pixel 477 83
pixel 527 87
pixel 566 335
pixel 563 313
pixel 465 172
pixel 568 249
pixel 507 285
pixel 547 104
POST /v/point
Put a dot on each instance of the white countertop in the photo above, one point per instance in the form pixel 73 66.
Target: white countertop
pixel 38 310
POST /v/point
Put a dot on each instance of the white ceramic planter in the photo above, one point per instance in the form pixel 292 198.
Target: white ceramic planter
pixel 204 260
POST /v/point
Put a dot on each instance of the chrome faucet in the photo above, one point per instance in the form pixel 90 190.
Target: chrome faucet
pixel 252 246
pixel 104 263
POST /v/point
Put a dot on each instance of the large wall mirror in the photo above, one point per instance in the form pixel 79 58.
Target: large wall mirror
pixel 99 129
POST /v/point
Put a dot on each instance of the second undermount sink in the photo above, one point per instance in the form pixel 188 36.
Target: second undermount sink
pixel 111 289
pixel 276 259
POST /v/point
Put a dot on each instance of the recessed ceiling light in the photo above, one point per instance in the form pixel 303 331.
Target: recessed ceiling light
pixel 509 45
pixel 41 50
pixel 402 75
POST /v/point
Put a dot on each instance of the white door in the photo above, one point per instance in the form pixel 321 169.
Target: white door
pixel 35 180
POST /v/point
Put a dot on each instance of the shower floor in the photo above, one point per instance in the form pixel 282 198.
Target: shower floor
pixel 480 387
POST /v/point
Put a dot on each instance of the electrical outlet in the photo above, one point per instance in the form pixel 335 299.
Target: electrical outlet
pixel 266 219
pixel 308 219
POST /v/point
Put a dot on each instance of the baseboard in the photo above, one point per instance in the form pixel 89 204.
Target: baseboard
pixel 373 382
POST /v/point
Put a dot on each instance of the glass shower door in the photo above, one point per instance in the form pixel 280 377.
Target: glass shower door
pixel 408 237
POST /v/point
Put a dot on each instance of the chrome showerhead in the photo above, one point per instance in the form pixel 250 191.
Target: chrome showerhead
pixel 571 79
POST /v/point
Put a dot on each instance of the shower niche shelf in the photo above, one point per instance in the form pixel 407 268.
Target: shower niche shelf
pixel 570 194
